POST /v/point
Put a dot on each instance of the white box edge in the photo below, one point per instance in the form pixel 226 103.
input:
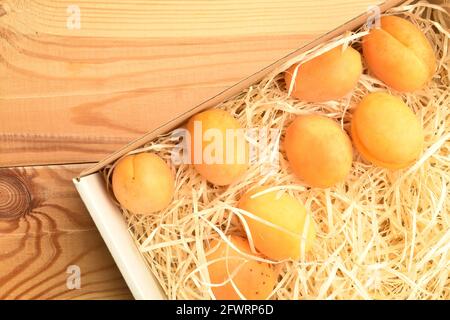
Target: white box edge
pixel 113 228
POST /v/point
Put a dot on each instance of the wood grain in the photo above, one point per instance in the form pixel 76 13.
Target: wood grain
pixel 180 18
pixel 44 229
pixel 77 95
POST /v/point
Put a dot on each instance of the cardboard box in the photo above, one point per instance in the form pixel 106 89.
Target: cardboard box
pixel 107 216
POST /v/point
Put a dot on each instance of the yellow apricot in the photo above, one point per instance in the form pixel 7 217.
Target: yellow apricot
pixel 386 131
pixel 319 151
pixel 255 280
pixel 218 158
pixel 287 227
pixel 399 54
pixel 143 183
pixel 329 76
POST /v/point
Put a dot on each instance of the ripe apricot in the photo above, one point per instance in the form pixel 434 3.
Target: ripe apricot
pixel 386 131
pixel 219 151
pixel 255 280
pixel 399 54
pixel 329 76
pixel 290 226
pixel 318 150
pixel 143 183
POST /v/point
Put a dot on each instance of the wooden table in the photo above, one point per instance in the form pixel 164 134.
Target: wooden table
pixel 69 96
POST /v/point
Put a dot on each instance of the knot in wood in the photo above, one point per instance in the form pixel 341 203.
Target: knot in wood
pixel 15 198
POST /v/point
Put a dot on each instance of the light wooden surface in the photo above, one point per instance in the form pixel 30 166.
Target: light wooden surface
pixel 72 96
pixel 44 229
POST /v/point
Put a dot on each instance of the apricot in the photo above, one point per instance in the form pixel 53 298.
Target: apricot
pixel 290 227
pixel 399 54
pixel 329 76
pixel 218 148
pixel 318 150
pixel 255 280
pixel 143 183
pixel 386 131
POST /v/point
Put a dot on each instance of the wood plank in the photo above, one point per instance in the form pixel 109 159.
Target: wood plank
pixel 180 18
pixel 77 95
pixel 44 229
